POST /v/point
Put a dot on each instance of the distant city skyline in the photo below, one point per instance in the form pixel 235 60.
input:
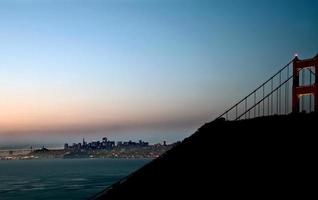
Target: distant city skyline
pixel 151 70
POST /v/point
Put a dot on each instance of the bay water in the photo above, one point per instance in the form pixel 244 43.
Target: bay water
pixel 62 179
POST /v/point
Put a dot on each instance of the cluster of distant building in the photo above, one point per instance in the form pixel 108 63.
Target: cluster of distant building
pixel 105 144
pixel 96 149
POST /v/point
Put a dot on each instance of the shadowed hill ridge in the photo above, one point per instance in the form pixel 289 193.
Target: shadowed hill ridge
pixel 262 157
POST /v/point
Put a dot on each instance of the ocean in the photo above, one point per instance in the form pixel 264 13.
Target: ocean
pixel 62 179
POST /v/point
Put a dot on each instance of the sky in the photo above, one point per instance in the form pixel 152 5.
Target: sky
pixel 138 69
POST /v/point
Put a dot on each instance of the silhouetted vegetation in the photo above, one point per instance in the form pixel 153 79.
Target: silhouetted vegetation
pixel 268 157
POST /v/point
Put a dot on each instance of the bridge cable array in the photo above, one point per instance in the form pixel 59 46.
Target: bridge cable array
pixel 273 97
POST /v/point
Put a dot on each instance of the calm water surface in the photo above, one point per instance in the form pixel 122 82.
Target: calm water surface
pixel 61 179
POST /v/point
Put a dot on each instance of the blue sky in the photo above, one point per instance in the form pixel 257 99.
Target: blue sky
pixel 135 69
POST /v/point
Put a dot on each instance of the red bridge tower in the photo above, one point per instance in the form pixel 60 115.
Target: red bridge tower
pixel 300 90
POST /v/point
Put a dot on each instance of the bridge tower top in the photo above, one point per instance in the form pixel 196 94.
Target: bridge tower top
pixel 310 88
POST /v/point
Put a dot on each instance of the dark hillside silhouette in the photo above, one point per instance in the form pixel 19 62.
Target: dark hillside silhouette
pixel 269 157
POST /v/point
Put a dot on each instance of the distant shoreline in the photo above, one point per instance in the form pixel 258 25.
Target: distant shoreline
pixel 43 159
pixel 149 152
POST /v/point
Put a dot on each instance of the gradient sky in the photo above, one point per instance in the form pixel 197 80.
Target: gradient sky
pixel 130 69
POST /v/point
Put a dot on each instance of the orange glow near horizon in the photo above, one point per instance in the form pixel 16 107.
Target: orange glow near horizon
pixel 60 112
